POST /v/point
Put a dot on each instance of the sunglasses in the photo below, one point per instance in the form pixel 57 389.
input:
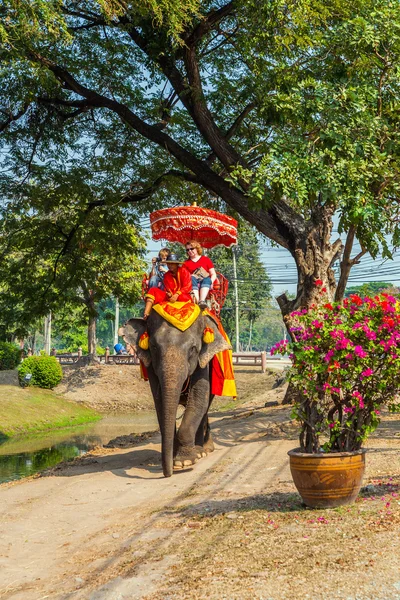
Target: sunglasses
pixel 187 249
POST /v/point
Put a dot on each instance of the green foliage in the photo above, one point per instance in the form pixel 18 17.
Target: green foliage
pixel 267 330
pixel 172 100
pixel 45 370
pixel 65 251
pixel 371 288
pixel 10 356
pixel 346 365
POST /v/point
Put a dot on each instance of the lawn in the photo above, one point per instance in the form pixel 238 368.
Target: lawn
pixel 31 410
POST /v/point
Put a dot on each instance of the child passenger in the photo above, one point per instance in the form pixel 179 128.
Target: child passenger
pixel 158 269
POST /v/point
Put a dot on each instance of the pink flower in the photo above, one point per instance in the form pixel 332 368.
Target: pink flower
pixel 331 425
pixel 343 343
pixel 358 351
pixel 369 334
pixel 317 324
pixel 356 394
pixel 348 409
pixel 329 355
pixel 367 373
pixel 336 390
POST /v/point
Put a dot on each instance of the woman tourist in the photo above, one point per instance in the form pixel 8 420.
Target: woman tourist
pixel 201 270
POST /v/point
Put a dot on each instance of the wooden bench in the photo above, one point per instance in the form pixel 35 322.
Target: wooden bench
pixel 256 358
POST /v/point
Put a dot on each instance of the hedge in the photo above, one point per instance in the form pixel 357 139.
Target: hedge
pixel 10 356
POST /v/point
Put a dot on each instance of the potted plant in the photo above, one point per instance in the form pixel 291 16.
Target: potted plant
pixel 345 367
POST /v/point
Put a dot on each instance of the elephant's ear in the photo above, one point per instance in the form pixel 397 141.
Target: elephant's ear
pixel 131 332
pixel 218 345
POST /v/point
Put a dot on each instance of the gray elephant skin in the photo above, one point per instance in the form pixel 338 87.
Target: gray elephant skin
pixel 178 369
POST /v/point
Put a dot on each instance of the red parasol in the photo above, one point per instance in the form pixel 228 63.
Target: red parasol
pixel 184 223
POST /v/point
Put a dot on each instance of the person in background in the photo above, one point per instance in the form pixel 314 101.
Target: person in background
pixel 158 269
pixel 119 349
pixel 177 286
pixel 201 270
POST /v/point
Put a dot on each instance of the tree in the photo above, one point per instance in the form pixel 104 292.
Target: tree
pixel 370 288
pixel 40 271
pixel 287 123
pixel 269 328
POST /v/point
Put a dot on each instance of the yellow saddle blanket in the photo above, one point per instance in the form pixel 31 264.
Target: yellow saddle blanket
pixel 180 314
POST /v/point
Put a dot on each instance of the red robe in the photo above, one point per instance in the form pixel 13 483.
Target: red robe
pixel 181 285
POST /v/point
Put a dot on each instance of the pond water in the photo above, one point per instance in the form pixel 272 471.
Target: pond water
pixel 27 455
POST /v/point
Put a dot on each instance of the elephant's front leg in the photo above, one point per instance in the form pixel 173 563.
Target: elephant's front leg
pixel 197 404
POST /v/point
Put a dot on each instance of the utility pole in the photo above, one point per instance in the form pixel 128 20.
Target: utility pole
pixel 116 326
pixel 47 334
pixel 235 287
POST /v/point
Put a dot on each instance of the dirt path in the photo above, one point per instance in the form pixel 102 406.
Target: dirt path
pixel 110 527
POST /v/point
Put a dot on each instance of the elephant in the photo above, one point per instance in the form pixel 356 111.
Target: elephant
pixel 177 363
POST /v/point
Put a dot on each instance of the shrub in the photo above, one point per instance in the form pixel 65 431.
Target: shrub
pixel 10 356
pixel 346 365
pixel 46 371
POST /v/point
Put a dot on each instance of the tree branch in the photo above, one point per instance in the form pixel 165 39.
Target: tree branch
pixel 11 118
pixel 347 263
pixel 275 222
pixel 233 129
pixel 209 22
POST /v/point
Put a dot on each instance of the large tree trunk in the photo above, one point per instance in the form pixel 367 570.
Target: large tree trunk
pixel 314 255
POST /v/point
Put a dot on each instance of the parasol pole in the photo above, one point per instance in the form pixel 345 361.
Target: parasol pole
pixel 235 287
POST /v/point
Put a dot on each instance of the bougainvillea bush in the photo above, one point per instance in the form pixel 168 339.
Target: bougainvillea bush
pixel 345 367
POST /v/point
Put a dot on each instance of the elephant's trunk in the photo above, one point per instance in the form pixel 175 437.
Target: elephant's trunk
pixel 172 374
pixel 170 405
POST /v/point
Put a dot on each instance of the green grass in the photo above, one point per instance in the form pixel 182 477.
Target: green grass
pixel 33 410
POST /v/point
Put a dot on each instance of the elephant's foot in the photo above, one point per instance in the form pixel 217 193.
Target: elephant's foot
pixel 201 453
pixel 208 445
pixel 185 457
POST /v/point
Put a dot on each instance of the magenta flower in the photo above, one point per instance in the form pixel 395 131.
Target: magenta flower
pixel 336 390
pixel 343 344
pixel 317 324
pixel 356 394
pixel 358 351
pixel 329 355
pixel 369 334
pixel 367 373
pixel 348 409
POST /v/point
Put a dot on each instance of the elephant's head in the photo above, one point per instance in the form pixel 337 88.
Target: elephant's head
pixel 172 356
pixel 171 349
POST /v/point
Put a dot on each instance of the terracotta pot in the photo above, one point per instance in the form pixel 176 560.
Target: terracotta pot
pixel 327 480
